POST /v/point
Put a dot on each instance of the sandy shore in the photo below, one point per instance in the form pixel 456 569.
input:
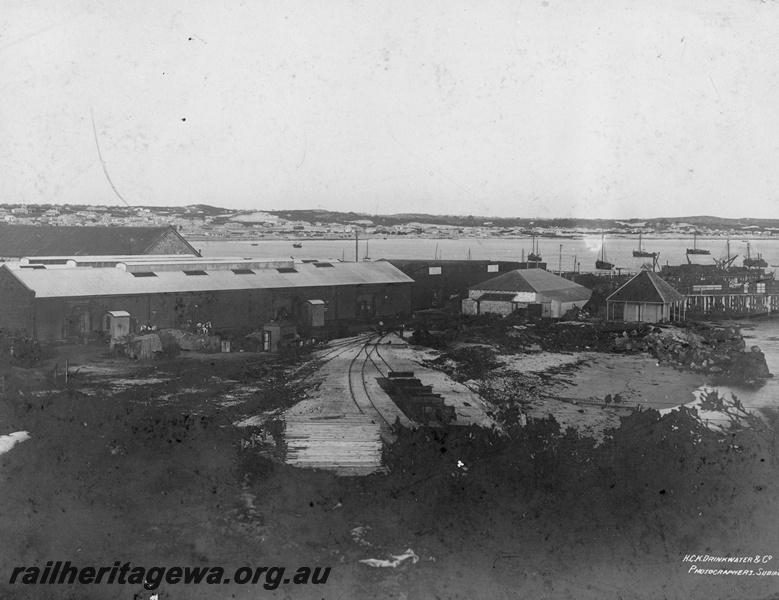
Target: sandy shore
pixel 574 386
pixel 638 379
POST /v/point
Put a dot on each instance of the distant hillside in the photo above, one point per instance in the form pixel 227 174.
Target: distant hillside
pixel 216 215
pixel 719 222
pixel 454 220
pixel 522 222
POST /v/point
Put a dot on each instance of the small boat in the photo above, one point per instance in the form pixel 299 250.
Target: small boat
pixel 297 245
pixel 695 249
pixel 255 244
pixel 758 262
pixel 603 264
pixel 641 252
pixel 535 255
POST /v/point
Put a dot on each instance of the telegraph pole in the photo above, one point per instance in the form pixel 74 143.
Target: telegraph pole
pixel 560 262
pixel 356 246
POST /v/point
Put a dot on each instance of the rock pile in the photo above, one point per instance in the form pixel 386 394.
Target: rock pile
pixel 720 350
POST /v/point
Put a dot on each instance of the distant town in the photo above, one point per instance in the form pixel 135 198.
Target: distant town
pixel 199 406
pixel 204 221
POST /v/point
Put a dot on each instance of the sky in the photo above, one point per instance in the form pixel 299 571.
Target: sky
pixel 549 108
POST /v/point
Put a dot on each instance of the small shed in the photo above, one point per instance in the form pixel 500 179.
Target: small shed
pixel 117 325
pixel 646 298
pixel 278 334
pixel 315 310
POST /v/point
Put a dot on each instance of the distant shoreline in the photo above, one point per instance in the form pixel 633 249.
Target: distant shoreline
pixel 293 238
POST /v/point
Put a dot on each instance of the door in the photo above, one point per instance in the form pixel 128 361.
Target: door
pixel 266 340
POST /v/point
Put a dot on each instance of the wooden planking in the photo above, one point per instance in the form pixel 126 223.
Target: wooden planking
pixel 347 445
pixel 345 420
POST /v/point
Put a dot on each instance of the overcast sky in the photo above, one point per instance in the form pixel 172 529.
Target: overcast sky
pixel 549 108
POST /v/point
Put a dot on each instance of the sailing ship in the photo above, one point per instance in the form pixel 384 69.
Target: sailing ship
pixel 367 251
pixel 602 263
pixel 641 252
pixel 726 263
pixel 695 249
pixel 535 255
pixel 750 262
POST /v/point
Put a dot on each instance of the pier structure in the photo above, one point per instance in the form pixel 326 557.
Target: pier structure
pixel 732 302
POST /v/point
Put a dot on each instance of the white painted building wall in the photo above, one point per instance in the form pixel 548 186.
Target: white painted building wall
pixel 469 306
pixel 496 307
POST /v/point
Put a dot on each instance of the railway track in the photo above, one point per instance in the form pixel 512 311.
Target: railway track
pixel 334 352
pixel 360 391
pixel 345 420
pixel 380 357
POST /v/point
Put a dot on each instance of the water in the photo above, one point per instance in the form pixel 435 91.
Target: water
pixel 762 400
pixel 558 253
pixel 764 333
pixel 760 332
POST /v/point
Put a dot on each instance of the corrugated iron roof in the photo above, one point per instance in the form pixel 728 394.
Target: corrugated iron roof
pixel 526 280
pixel 568 294
pixel 539 281
pixel 646 287
pixel 81 282
pixel 508 282
pixel 45 240
pixel 62 259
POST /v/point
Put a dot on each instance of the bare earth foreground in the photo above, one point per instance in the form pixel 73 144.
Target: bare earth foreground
pixel 195 461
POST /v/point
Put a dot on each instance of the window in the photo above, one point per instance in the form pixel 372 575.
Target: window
pixel 320 265
pixel 195 273
pixel 364 306
pixel 243 271
pixel 145 274
pixel 434 271
pixel 286 270
pixel 32 267
pixel 493 268
pixel 435 298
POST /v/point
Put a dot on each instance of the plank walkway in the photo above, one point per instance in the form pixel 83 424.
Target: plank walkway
pixel 346 419
pixel 339 427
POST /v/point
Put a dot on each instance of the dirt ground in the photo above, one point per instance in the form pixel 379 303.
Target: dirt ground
pixel 143 463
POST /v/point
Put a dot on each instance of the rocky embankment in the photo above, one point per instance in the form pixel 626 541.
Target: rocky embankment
pixel 706 349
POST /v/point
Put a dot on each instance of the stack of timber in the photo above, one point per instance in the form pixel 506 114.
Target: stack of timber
pixel 417 401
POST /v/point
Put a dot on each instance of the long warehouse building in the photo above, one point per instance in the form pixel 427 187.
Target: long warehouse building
pixel 70 301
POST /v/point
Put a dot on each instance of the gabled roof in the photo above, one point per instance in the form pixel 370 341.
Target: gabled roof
pixel 526 280
pixel 538 281
pixel 646 287
pixel 46 240
pixel 568 294
pixel 74 282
